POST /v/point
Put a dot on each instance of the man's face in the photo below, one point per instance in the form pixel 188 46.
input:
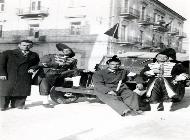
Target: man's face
pixel 114 65
pixel 25 46
pixel 161 58
pixel 66 52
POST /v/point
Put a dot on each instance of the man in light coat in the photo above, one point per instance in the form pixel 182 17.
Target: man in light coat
pixel 111 89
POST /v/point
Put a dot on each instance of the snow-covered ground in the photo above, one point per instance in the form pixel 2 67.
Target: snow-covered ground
pixel 89 120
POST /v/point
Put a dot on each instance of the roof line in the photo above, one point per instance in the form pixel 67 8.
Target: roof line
pixel 169 9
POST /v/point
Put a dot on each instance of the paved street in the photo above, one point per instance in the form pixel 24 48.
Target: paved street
pixel 89 120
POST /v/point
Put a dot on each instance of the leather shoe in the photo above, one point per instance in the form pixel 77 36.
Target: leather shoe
pixel 3 109
pixel 22 107
pixel 136 112
pixel 48 105
pixel 126 112
pixel 160 107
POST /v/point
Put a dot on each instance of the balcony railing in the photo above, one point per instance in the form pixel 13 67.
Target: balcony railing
pixel 173 31
pixel 76 12
pixel 146 20
pixel 129 13
pixel 129 40
pixel 160 26
pixel 29 13
pixel 182 35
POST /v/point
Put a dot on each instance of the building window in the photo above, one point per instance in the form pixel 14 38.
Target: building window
pixel 2 6
pixel 1 30
pixel 39 5
pixel 126 3
pixel 36 5
pixel 171 24
pixel 158 17
pixel 123 32
pixel 75 28
pixel 141 36
pixel 179 27
pixel 153 40
pixel 33 5
pixel 34 30
pixel 155 15
pixel 143 13
pixel 76 3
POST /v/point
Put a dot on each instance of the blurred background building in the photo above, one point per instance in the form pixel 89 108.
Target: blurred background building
pixel 143 25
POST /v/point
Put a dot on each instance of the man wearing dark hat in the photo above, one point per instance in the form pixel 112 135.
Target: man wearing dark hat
pixel 56 65
pixel 16 68
pixel 111 89
pixel 166 80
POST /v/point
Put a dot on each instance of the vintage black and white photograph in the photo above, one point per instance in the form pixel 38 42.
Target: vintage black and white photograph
pixel 94 70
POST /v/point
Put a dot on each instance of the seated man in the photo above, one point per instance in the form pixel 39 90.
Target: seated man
pixel 111 89
pixel 165 80
pixel 57 66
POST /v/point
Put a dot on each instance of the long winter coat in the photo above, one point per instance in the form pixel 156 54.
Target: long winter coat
pixel 15 66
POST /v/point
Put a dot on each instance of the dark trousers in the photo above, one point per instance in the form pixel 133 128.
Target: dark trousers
pixel 52 77
pixel 159 92
pixel 45 86
pixel 14 101
pixel 127 100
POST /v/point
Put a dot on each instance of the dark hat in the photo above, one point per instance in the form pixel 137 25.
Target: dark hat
pixel 169 52
pixel 61 47
pixel 114 58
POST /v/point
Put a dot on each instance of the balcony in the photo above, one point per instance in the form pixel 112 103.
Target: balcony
pixel 29 13
pixel 129 41
pixel 173 32
pixel 146 21
pixel 76 12
pixel 182 35
pixel 129 13
pixel 160 26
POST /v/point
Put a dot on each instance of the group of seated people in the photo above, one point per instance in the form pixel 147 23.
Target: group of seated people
pixel 160 83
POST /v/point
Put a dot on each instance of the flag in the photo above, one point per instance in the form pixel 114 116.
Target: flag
pixel 166 26
pixel 113 31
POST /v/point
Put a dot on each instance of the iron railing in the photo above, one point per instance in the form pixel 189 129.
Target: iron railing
pixel 30 11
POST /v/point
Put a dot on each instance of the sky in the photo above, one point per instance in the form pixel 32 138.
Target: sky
pixel 182 8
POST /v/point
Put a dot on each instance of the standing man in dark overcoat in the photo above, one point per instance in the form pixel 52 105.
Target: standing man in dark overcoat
pixel 111 89
pixel 16 68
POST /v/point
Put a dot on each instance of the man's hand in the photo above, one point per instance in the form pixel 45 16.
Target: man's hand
pixel 181 77
pixel 139 86
pixel 149 73
pixel 140 89
pixel 3 77
pixel 30 71
pixel 61 63
pixel 156 71
pixel 85 71
pixel 112 93
pixel 44 64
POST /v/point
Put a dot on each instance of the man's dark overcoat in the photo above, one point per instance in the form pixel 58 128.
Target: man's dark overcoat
pixel 15 66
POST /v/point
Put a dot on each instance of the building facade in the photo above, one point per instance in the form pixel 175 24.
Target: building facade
pixel 149 25
pixel 144 25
